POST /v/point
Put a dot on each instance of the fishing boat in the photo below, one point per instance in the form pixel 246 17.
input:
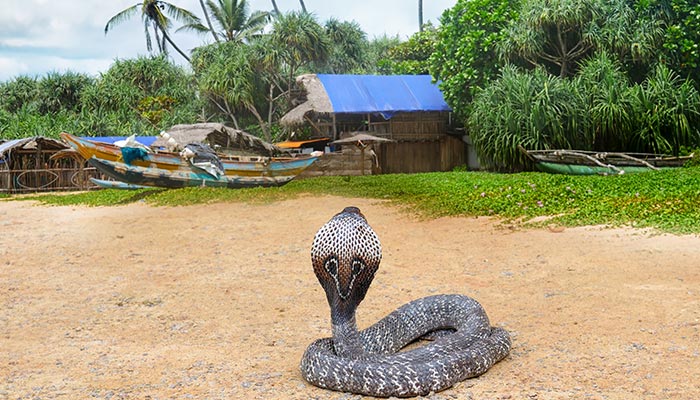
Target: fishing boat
pixel 238 166
pixel 577 162
pixel 179 178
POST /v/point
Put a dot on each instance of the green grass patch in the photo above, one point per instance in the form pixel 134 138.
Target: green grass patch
pixel 666 200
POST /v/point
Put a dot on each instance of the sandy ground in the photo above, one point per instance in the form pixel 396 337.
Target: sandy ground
pixel 219 301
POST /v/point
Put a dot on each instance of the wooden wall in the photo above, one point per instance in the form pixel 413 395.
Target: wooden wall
pixel 391 158
pixel 442 154
pixel 345 163
pixel 421 143
pixel 44 180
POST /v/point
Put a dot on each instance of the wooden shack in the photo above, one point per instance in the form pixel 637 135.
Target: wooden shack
pixel 38 164
pixel 408 109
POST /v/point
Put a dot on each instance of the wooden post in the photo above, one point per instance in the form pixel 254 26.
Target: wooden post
pixel 362 159
pixel 335 128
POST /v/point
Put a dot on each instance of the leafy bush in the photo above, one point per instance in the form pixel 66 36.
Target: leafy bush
pixel 17 93
pixel 61 91
pixel 111 106
pixel 598 110
pixel 466 56
pixel 530 109
pixel 667 113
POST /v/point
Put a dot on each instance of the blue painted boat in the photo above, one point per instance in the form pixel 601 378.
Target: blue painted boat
pixel 233 166
pixel 191 177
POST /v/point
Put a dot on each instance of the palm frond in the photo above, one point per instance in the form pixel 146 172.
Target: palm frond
pixel 216 11
pixel 179 14
pixel 199 28
pixel 122 16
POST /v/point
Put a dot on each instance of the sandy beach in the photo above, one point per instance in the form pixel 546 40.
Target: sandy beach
pixel 219 301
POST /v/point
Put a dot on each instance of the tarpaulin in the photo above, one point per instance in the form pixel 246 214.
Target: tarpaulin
pixel 144 140
pixel 385 94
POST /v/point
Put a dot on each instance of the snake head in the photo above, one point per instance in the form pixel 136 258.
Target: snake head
pixel 345 255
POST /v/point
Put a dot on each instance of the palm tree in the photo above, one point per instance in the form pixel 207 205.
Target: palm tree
pixel 560 34
pixel 206 17
pixel 232 20
pixel 298 41
pixel 348 51
pixel 153 14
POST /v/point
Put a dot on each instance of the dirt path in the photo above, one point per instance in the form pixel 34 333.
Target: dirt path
pixel 219 301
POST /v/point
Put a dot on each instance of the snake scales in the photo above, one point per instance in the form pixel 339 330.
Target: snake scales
pixel 345 255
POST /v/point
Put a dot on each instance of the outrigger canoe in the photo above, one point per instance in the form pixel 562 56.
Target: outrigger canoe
pixel 576 162
pixel 237 166
pixel 192 177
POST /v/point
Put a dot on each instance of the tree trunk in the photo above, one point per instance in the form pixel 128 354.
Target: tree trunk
pixel 231 114
pixel 206 16
pixel 274 7
pixel 167 37
pixel 270 109
pixel 303 6
pixel 261 122
pixel 159 41
pixel 420 15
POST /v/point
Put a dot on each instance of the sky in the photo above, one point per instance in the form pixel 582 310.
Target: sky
pixel 42 36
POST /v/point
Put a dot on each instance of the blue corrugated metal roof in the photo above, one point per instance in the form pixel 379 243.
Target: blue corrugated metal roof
pixel 12 144
pixel 385 94
pixel 144 140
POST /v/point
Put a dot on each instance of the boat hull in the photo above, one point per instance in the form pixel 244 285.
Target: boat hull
pixel 261 167
pixel 115 184
pixel 575 162
pixel 572 169
pixel 194 177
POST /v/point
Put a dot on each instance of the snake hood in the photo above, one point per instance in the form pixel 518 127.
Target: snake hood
pixel 345 255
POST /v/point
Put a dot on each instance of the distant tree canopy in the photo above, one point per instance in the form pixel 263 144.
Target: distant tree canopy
pixel 230 20
pixel 590 74
pixel 559 35
pixel 142 95
pixel 565 74
pixel 681 36
pixel 348 48
pixel 129 90
pixel 412 56
pixel 466 54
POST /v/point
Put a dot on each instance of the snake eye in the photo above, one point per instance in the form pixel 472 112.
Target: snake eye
pixel 331 266
pixel 357 267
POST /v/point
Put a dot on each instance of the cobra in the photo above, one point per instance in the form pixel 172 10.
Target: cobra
pixel 345 255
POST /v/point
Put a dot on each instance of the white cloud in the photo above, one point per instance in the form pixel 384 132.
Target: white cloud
pixel 38 36
pixel 10 67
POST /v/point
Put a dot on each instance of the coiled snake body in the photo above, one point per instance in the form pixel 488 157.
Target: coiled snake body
pixel 345 255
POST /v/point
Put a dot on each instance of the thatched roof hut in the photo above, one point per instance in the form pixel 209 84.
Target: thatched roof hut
pixel 222 137
pixel 315 101
pixel 409 107
pixel 30 165
pixel 31 145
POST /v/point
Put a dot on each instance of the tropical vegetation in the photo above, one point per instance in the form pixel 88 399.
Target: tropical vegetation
pixel 592 74
pixel 589 75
